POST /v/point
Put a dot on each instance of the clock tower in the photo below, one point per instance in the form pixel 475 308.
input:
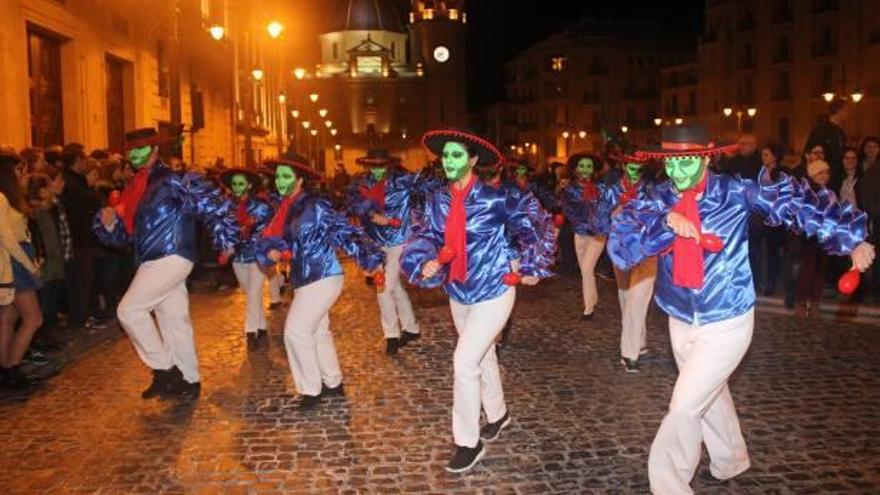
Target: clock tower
pixel 437 43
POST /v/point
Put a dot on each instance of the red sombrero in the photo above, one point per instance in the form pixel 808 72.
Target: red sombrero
pixel 378 157
pixel 298 163
pixel 686 140
pixel 146 136
pixel 634 156
pixel 488 154
pixel 252 177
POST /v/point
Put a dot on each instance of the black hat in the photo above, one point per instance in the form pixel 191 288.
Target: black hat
pixel 488 154
pixel 686 140
pixel 145 136
pixel 227 175
pixel 575 158
pixel 377 157
pixel 297 162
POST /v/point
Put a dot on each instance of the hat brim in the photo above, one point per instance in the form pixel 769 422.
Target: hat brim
pixel 301 168
pixel 711 150
pixel 487 153
pixel 157 140
pixel 227 175
pixel 377 162
pixel 635 158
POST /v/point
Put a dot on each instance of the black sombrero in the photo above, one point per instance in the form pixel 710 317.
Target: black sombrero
pixel 488 154
pixel 298 163
pixel 252 177
pixel 575 158
pixel 686 140
pixel 378 157
pixel 146 136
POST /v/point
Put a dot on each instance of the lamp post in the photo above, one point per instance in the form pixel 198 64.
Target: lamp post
pixel 749 112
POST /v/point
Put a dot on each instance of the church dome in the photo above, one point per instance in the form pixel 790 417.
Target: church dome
pixel 363 15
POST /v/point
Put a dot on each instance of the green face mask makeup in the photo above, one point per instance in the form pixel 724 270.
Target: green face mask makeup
pixel 633 172
pixel 685 171
pixel 585 168
pixel 239 185
pixel 285 179
pixel 378 173
pixel 455 160
pixel 522 172
pixel 139 156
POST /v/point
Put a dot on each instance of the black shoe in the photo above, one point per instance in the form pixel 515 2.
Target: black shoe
pixel 392 345
pixel 275 305
pixel 252 341
pixel 309 401
pixel 35 357
pixel 629 365
pixel 465 458
pixel 706 476
pixel 162 380
pixel 337 391
pixel 492 430
pixel 187 390
pixel 587 317
pixel 13 378
pixel 407 337
pixel 95 323
pixel 368 280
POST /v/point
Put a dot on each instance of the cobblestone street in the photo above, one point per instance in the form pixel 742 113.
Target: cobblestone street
pixel 808 396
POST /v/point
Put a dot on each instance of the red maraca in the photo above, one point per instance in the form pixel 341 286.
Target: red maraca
pixel 395 222
pixel 558 220
pixel 512 278
pixel 222 259
pixel 379 280
pixel 446 255
pixel 711 243
pixel 286 255
pixel 114 198
pixel 849 282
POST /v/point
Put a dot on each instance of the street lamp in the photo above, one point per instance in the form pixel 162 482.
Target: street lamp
pixel 217 32
pixel 328 123
pixel 337 147
pixel 658 121
pixel 282 98
pixel 322 112
pixel 582 134
pixel 333 132
pixel 750 112
pixel 857 96
pixel 257 74
pixel 728 111
pixel 294 114
pixel 624 129
pixel 275 29
pixel 678 121
pixel 299 73
pixel 565 134
pixel 313 97
pixel 314 132
pixel 306 124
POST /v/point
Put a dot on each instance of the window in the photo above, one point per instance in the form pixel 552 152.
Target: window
pixel 746 91
pixel 783 50
pixel 557 64
pixel 747 59
pixel 163 70
pixel 823 40
pixel 782 89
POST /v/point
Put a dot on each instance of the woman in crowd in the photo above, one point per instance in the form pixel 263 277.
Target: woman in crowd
pixel 814 261
pixel 766 242
pixel 25 279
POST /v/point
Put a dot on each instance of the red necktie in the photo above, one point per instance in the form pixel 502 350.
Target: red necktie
pixel 455 235
pixel 589 191
pixel 376 193
pixel 276 225
pixel 131 198
pixel 687 255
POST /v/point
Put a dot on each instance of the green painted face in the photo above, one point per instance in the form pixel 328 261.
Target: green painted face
pixel 139 156
pixel 685 171
pixel 378 173
pixel 522 172
pixel 239 185
pixel 585 168
pixel 285 179
pixel 633 172
pixel 455 160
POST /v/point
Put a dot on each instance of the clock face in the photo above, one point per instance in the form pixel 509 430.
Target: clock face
pixel 441 54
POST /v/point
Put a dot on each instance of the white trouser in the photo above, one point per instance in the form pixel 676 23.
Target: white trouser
pixel 634 290
pixel 160 286
pixel 588 249
pixel 475 366
pixel 251 279
pixel 275 283
pixel 307 337
pixel 394 302
pixel 701 409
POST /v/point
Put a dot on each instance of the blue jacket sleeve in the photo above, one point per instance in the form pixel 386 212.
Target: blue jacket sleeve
pixel 639 231
pixel 532 233
pixel 350 238
pixel 357 204
pixel 266 244
pixel 424 245
pixel 202 200
pixel 838 227
pixel 262 216
pixel 117 237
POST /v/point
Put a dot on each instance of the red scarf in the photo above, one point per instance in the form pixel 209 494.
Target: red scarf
pixel 276 225
pixel 244 220
pixel 687 255
pixel 375 193
pixel 630 191
pixel 589 191
pixel 455 234
pixel 131 198
pixel 523 184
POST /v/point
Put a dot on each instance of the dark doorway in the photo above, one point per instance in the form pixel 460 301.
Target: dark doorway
pixel 44 78
pixel 115 102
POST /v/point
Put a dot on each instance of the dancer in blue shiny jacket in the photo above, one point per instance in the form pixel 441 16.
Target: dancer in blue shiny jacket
pixel 307 231
pixel 697 223
pixel 382 200
pixel 462 244
pixel 158 212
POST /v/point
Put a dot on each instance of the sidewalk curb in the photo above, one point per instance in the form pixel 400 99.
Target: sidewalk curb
pixel 866 311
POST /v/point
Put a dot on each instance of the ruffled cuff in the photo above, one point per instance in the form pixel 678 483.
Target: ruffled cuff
pixel 117 237
pixel 266 244
pixel 638 232
pixel 416 253
pixel 534 234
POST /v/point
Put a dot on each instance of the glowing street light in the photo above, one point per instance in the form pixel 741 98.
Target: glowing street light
pixel 328 124
pixel 322 112
pixel 582 134
pixel 658 121
pixel 828 96
pixel 275 29
pixel 512 147
pixel 857 96
pixel 751 111
pixel 313 97
pixel 678 121
pixel 217 32
pixel 282 98
pixel 257 74
pixel 337 147
pixel 624 129
pixel 565 134
pixel 306 124
pixel 728 111
pixel 299 73
pixel 314 132
pixel 294 114
pixel 333 132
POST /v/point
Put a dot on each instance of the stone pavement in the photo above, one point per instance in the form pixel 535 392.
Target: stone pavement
pixel 808 395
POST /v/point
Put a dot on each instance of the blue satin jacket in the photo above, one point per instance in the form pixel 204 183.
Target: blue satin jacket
pixel 399 188
pixel 261 213
pixel 546 197
pixel 586 217
pixel 610 199
pixel 165 223
pixel 640 231
pixel 312 233
pixel 498 224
